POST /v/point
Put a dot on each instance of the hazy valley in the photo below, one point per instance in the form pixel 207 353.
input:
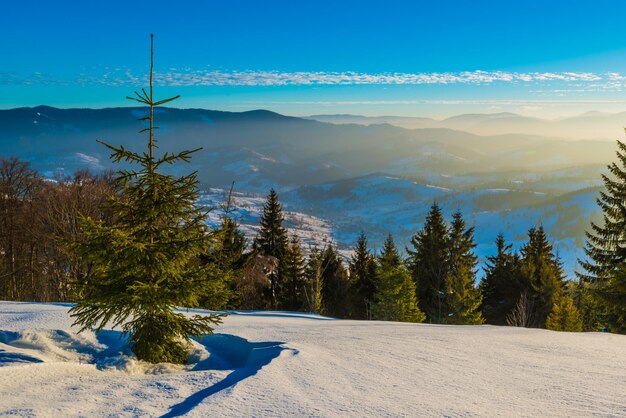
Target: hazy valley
pixel 355 173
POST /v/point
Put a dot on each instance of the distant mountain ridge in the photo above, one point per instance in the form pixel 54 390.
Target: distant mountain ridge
pixel 589 125
pixel 262 148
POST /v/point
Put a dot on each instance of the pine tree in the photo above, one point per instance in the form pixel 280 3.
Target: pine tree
pixel 395 298
pixel 541 273
pixel 272 241
pixel 606 247
pixel 564 316
pixel 293 293
pixel 463 299
pixel 362 270
pixel 146 262
pixel 428 264
pixel 501 288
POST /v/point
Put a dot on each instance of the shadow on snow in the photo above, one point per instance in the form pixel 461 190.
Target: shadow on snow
pixel 226 352
pixel 229 352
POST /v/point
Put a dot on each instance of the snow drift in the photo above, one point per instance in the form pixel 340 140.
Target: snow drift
pixel 291 364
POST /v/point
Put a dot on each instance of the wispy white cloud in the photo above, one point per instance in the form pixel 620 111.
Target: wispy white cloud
pixel 583 81
pixel 277 78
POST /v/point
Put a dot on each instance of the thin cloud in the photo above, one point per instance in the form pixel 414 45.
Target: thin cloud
pixel 276 78
pixel 189 77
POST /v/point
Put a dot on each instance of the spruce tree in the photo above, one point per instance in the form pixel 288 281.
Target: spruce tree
pixel 428 264
pixel 606 247
pixel 564 316
pixel 313 274
pixel 501 287
pixel 293 290
pixel 594 313
pixel 228 257
pixel 395 298
pixel 362 270
pixel 272 241
pixel 146 262
pixel 541 274
pixel 463 299
pixel 334 284
pixel 389 257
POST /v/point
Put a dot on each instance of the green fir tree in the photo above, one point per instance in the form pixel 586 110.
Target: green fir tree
pixel 272 241
pixel 428 264
pixel 228 256
pixel 395 298
pixel 335 283
pixel 313 274
pixel 541 274
pixel 146 263
pixel 606 248
pixel 389 257
pixel 501 287
pixel 463 299
pixel 362 270
pixel 564 316
pixel 293 290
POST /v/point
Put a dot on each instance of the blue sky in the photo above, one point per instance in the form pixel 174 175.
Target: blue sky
pixel 435 58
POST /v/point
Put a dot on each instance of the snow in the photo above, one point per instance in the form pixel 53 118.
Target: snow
pixel 247 210
pixel 295 364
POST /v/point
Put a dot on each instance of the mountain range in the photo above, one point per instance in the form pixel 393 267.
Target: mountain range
pixel 589 125
pixel 356 173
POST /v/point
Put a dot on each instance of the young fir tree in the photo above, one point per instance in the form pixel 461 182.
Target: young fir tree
pixel 501 288
pixel 428 264
pixel 226 255
pixel 463 299
pixel 593 312
pixel 606 247
pixel 293 291
pixel 313 274
pixel 395 298
pixel 389 257
pixel 146 263
pixel 564 316
pixel 334 284
pixel 272 241
pixel 541 274
pixel 362 270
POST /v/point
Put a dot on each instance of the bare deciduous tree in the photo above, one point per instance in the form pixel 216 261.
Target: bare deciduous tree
pixel 521 316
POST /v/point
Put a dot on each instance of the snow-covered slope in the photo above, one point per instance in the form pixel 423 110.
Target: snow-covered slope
pixel 290 364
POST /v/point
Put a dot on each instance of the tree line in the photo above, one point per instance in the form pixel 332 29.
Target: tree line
pixel 435 282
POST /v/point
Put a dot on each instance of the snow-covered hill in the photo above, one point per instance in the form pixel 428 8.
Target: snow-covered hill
pixel 289 364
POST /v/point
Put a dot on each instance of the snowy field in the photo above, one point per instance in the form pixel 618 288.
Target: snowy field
pixel 287 364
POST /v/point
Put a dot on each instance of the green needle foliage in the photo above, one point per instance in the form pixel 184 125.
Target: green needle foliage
pixel 605 265
pixel 146 263
pixel 463 299
pixel 564 316
pixel 395 298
